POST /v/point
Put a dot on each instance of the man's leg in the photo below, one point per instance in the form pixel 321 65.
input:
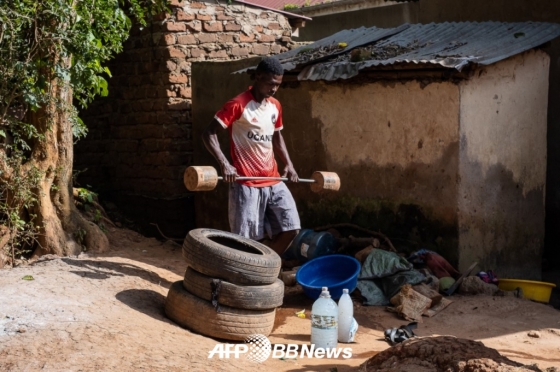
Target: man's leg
pixel 283 217
pixel 246 211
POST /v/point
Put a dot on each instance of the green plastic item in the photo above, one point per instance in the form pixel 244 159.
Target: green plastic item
pixel 445 283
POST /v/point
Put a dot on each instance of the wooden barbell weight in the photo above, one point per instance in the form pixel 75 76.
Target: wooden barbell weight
pixel 205 178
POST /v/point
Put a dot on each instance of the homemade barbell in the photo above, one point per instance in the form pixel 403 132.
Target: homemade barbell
pixel 205 178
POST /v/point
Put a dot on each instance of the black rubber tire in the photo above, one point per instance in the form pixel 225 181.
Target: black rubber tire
pixel 251 297
pixel 230 257
pixel 200 316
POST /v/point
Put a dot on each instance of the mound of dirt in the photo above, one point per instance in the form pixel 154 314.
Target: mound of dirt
pixel 442 353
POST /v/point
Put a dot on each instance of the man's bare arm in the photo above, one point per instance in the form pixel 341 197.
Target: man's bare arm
pixel 210 139
pixel 280 149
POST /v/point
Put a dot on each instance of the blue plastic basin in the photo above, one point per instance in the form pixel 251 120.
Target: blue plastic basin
pixel 335 271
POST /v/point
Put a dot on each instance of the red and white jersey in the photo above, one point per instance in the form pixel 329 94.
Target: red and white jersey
pixel 251 126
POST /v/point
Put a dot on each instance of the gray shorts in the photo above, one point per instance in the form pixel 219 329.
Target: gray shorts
pixel 256 210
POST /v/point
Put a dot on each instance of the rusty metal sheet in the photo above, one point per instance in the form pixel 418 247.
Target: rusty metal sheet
pixel 451 45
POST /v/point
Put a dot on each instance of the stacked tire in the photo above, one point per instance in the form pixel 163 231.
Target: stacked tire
pixel 230 289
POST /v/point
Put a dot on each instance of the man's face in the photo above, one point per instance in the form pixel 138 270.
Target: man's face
pixel 266 83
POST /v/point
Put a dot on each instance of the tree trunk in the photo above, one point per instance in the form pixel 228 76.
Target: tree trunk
pixel 64 231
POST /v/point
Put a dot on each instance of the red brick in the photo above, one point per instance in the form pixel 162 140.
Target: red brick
pixel 175 27
pixel 240 52
pixel 174 131
pixel 246 39
pixel 259 28
pixel 197 53
pixel 232 26
pixel 218 54
pixel 266 38
pixel 159 104
pixel 126 146
pixel 184 16
pixel 196 5
pixel 286 39
pixel 175 52
pixel 141 118
pixel 168 39
pixel 204 17
pixel 168 118
pixel 261 49
pixel 186 39
pixel 273 26
pixel 176 2
pixel 220 16
pixel 275 49
pixel 148 67
pixel 134 81
pixel 207 38
pixel 178 79
pixel 185 92
pixel 194 26
pixel 226 38
pixel 213 27
pixel 147 105
pixel 161 16
pixel 219 8
pixel 169 93
pixel 171 66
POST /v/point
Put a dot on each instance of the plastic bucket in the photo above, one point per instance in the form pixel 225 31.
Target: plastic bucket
pixel 308 245
pixel 533 290
pixel 335 271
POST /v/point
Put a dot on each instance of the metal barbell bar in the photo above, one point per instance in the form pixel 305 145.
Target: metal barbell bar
pixel 205 178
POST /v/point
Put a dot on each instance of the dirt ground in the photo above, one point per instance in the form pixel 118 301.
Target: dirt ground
pixel 105 313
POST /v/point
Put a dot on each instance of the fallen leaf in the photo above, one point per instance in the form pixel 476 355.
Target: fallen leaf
pixel 28 277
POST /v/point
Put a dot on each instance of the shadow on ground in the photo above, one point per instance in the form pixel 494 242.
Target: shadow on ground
pixel 96 269
pixel 146 301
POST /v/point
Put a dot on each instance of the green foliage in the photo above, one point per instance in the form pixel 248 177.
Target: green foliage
pixel 290 6
pixel 63 41
pixel 17 199
pixel 80 236
pixel 86 196
pixel 86 201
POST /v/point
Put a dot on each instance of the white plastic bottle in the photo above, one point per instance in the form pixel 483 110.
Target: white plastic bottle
pixel 324 321
pixel 345 317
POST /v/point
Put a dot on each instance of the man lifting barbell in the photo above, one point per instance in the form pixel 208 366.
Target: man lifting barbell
pixel 254 121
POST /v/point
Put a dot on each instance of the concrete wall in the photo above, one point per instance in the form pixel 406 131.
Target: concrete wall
pixel 502 166
pixel 139 140
pixel 426 11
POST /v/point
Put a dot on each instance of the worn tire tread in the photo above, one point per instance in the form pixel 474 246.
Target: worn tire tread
pixel 200 316
pixel 258 297
pixel 235 266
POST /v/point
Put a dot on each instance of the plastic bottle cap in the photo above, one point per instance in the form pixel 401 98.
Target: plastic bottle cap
pixel 345 290
pixel 325 293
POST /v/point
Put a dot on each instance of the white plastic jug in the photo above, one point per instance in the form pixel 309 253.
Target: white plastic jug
pixel 324 321
pixel 345 317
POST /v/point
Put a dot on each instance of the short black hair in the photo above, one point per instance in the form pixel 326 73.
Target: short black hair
pixel 272 65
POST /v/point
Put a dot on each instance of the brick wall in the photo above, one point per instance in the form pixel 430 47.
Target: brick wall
pixel 139 139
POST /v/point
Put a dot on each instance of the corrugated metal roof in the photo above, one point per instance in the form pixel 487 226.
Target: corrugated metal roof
pixel 451 45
